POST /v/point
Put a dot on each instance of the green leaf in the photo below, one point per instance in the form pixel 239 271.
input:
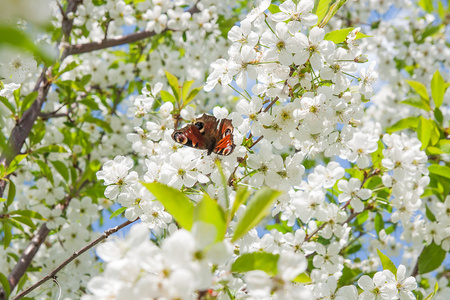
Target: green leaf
pixel 15 163
pixel 3 199
pixel 419 88
pixel 5 284
pixel 51 148
pixel 424 132
pixel 46 171
pixel 208 211
pixel 263 261
pixel 302 278
pixel 321 9
pixel 435 133
pixel 174 201
pixel 192 95
pixel 242 195
pixel 257 209
pixel 28 214
pixel 427 5
pixel 28 101
pixel 20 40
pixel 8 104
pixel 167 97
pixel 439 170
pixel 11 193
pixel 61 168
pixel 429 214
pixel 437 89
pixel 331 12
pixel 174 85
pixel 387 263
pixel 418 102
pixel 436 286
pixel 186 87
pixel 406 123
pixel 25 220
pixel 338 36
pixel 441 10
pixel 438 115
pixel 118 212
pixel 72 65
pixel 361 218
pixel 444 145
pixel 379 223
pixel 360 35
pixel 431 258
pixel 7 234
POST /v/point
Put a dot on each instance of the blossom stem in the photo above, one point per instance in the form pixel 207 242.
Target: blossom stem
pixel 238 92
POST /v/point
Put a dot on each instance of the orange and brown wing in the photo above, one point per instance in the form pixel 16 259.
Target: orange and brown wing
pixel 225 145
pixel 189 136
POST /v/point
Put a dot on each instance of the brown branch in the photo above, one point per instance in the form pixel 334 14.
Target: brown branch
pixel 271 104
pixel 93 46
pixel 52 274
pixel 107 43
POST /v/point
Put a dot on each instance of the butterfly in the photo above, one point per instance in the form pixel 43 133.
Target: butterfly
pixel 207 133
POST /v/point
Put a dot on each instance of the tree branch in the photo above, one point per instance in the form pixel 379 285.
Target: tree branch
pixel 107 43
pixel 74 255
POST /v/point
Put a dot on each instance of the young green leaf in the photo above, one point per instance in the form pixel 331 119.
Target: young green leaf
pixel 25 220
pixel 439 170
pixel 5 284
pixel 424 132
pixel 418 102
pixel 436 287
pixel 117 212
pixel 406 123
pixel 174 85
pixel 11 193
pixel 379 223
pixel 208 211
pixel 321 9
pixel 431 258
pixel 167 97
pixel 302 278
pixel 7 234
pixel 192 95
pixel 8 104
pixel 28 101
pixel 61 168
pixel 186 87
pixel 28 214
pixel 174 201
pixel 419 88
pixel 46 171
pixel 263 261
pixel 242 195
pixel 387 263
pixel 338 36
pixel 437 88
pixel 257 209
pixel 15 163
pixel 51 148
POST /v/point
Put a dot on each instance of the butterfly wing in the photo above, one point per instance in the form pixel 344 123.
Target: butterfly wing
pixel 225 145
pixel 189 136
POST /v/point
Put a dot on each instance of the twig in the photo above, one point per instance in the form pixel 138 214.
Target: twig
pixel 256 142
pixel 271 104
pixel 52 274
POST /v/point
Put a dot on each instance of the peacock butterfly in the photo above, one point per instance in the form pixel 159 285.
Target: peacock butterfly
pixel 207 132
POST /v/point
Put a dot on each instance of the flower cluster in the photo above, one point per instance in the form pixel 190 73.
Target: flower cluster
pixel 181 266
